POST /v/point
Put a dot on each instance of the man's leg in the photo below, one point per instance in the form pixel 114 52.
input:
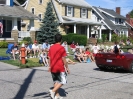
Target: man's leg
pixel 13 54
pixel 57 86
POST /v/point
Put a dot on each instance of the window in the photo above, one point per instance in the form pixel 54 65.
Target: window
pixel 69 11
pixel 2 1
pixel 8 25
pixel 40 17
pixel 83 13
pixel 40 1
pixel 33 10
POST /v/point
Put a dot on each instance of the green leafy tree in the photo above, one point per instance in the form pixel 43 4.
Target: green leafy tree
pixel 49 26
pixel 131 14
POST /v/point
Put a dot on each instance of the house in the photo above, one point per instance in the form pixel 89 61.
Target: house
pixel 112 21
pixel 11 14
pixel 74 16
pixel 129 23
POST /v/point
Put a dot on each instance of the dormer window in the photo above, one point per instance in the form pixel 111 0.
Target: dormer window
pixel 33 10
pixel 83 13
pixel 3 2
pixel 40 1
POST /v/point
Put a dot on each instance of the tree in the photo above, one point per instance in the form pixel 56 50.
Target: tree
pixel 21 1
pixel 49 26
pixel 131 14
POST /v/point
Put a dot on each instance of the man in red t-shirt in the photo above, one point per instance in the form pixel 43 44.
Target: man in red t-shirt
pixel 57 61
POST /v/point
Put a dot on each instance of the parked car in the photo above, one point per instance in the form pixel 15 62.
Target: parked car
pixel 114 61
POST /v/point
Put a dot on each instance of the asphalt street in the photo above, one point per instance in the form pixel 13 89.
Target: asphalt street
pixel 86 81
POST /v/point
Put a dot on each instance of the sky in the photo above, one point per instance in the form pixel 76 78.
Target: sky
pixel 126 5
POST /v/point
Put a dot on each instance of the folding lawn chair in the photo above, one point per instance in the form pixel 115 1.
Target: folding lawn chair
pixel 9 50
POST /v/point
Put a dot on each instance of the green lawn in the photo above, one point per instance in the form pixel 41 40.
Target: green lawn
pixel 3 52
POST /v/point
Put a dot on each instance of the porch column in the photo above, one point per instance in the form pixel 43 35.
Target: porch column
pixel 32 30
pixel 100 33
pixel 110 35
pixel 127 33
pixel 88 32
pixel 14 24
pixel 14 32
pixel 74 28
pixel 120 33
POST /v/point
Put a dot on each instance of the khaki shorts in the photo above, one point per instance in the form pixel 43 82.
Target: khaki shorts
pixel 59 77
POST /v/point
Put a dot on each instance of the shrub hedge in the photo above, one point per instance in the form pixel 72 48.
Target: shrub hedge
pixel 3 44
pixel 80 39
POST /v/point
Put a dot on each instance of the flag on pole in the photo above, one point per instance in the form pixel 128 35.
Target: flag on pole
pixel 116 31
pixel 1 28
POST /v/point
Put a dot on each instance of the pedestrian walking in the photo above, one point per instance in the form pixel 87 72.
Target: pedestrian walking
pixel 57 66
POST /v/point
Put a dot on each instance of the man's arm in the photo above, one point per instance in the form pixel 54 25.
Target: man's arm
pixel 66 65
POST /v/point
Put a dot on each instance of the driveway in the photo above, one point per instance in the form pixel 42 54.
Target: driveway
pixel 86 81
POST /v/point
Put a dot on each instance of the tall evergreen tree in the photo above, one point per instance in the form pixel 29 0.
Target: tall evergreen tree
pixel 49 26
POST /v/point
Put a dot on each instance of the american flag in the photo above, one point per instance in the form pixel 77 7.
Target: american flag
pixel 116 31
pixel 1 28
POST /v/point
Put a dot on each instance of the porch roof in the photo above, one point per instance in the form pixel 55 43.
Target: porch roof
pixel 16 11
pixel 80 21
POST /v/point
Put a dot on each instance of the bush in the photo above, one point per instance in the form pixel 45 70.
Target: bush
pixel 28 39
pixel 115 38
pixel 99 41
pixel 104 37
pixel 3 44
pixel 81 39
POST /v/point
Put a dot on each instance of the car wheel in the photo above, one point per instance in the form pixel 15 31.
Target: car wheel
pixel 131 67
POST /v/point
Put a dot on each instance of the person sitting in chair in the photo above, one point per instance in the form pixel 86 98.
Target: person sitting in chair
pixel 28 50
pixel 14 50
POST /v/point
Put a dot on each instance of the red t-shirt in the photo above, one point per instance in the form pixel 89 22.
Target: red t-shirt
pixel 73 45
pixel 56 52
pixel 87 52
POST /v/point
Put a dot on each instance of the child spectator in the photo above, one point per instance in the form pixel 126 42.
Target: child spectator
pixel 78 56
pixel 64 44
pixel 14 50
pixel 28 50
pixel 89 55
pixel 95 49
pixel 69 61
pixel 73 46
pixel 44 58
pixel 45 45
pixel 35 49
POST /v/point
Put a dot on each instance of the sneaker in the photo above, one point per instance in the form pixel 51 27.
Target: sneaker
pixel 58 97
pixel 52 94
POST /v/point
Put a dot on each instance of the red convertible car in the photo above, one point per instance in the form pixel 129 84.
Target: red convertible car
pixel 114 61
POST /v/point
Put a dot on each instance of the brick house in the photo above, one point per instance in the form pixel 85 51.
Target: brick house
pixel 129 22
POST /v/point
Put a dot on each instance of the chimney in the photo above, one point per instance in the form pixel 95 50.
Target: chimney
pixel 128 18
pixel 118 10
